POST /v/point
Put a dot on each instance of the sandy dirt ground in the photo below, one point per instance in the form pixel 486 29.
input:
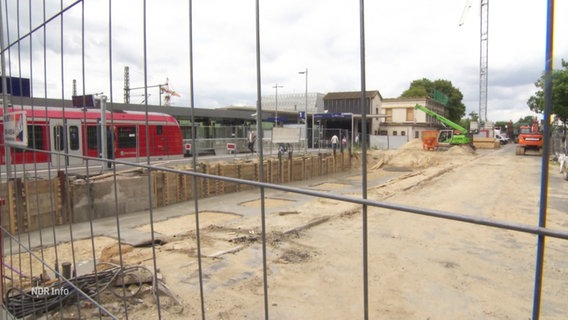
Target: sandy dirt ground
pixel 418 267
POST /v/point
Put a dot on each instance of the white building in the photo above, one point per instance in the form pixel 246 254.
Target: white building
pixel 403 119
pixel 294 102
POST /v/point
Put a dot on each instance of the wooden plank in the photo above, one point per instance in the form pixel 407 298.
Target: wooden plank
pixel 12 207
pixel 297 169
pixel 57 198
pixel 26 200
pixel 231 171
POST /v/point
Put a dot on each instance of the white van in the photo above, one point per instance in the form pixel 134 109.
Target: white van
pixel 502 139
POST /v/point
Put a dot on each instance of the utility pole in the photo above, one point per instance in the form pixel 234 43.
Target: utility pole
pixel 306 114
pixel 483 54
pixel 276 86
pixel 104 146
pixel 483 59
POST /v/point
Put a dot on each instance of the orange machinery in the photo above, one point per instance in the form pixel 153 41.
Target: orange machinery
pixel 430 140
pixel 530 138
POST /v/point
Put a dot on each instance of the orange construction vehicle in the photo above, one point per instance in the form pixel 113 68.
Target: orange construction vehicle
pixel 530 138
pixel 430 140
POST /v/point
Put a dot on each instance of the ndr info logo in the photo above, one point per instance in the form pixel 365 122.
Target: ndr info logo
pixel 49 291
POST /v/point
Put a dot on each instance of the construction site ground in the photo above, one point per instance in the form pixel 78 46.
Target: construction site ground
pixel 418 267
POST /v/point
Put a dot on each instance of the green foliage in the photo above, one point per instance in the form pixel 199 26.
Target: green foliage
pixel 465 122
pixel 425 88
pixel 526 120
pixel 415 91
pixel 559 93
pixel 501 124
pixel 474 116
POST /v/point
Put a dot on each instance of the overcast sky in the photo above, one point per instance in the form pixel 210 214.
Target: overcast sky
pixel 405 40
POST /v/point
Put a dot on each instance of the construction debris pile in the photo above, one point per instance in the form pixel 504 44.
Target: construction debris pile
pixel 413 156
pixel 106 291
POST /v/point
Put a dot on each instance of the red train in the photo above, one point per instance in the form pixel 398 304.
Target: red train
pixel 77 132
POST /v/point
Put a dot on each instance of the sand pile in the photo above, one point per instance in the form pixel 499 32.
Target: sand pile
pixel 413 156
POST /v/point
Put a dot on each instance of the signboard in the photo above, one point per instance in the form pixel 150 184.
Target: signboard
pixel 86 101
pixel 231 147
pixel 285 135
pixel 17 87
pixel 333 115
pixel 280 119
pixel 16 129
pixel 440 97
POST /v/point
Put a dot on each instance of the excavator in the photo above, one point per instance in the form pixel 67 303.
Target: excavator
pixel 530 138
pixel 431 140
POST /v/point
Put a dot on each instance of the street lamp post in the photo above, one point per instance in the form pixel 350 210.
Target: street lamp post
pixel 276 87
pixel 306 114
pixel 104 146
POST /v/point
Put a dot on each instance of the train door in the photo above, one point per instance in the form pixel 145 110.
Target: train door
pixel 66 138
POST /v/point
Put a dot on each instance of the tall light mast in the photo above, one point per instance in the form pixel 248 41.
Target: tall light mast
pixel 483 59
pixel 483 53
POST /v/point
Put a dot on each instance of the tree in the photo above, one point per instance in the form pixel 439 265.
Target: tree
pixel 426 88
pixel 559 93
pixel 525 121
pixel 474 116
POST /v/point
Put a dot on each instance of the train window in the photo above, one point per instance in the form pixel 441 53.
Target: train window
pixel 126 137
pixel 159 130
pixel 92 141
pixel 58 137
pixel 36 138
pixel 186 132
pixel 74 137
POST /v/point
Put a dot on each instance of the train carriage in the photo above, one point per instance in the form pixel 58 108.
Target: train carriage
pixel 64 136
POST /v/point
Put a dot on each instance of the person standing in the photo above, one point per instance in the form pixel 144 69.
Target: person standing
pixel 334 141
pixel 251 140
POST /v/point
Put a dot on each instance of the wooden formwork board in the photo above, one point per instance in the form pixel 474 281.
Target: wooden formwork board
pixel 347 161
pixel 272 172
pixel 31 204
pixel 247 171
pixel 309 168
pixel 158 186
pixel 486 143
pixel 186 187
pixel 12 204
pixel 211 184
pixel 168 188
pixel 310 171
pixel 285 171
pixel 43 203
pixel 230 171
pixel 172 187
pixel 316 166
pixel 297 169
pixel 323 166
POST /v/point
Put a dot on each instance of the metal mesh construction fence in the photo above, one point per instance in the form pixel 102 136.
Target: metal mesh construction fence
pixel 107 264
